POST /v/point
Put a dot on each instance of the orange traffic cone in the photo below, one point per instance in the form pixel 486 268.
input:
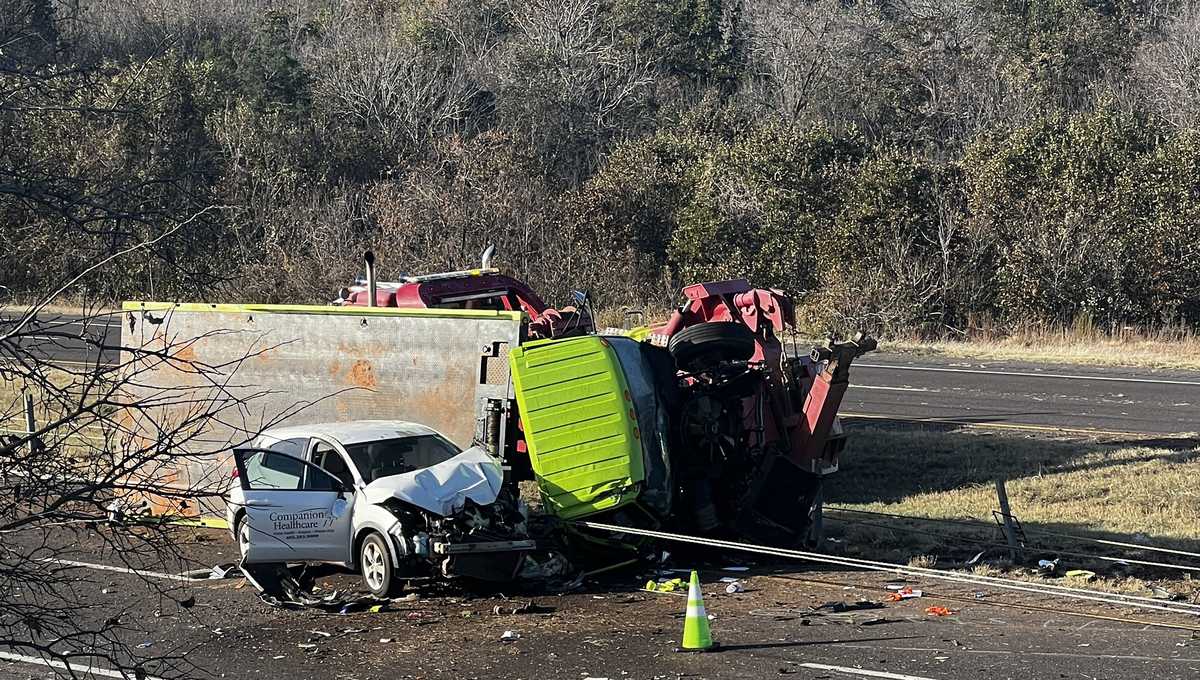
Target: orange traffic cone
pixel 696 636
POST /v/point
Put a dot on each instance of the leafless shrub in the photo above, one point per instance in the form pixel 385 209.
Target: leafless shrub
pixel 566 82
pixel 1169 70
pixel 100 445
pixel 372 77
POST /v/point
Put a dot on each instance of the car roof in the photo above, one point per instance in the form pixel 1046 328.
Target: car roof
pixel 352 431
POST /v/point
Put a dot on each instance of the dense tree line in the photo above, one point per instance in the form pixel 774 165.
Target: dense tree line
pixel 899 164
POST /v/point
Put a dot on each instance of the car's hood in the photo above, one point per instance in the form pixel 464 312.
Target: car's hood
pixel 443 488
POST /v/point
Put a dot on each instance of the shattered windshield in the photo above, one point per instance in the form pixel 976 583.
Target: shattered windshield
pixel 397 456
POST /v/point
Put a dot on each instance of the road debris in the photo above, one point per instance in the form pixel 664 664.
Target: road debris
pixel 664 585
pixel 529 607
pixel 938 611
pixel 905 593
pixel 510 636
pixel 227 570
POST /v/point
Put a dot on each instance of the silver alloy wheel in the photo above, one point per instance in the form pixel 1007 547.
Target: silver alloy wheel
pixel 373 566
pixel 243 536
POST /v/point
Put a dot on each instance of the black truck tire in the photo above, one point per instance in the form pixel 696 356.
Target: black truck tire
pixel 704 345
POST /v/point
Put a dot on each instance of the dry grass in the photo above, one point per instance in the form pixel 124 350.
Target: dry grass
pixel 1141 354
pixel 1129 491
pixel 1079 343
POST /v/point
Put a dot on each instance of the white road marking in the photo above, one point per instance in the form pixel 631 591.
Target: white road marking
pixel 939 420
pixel 72 667
pixel 123 570
pixel 1023 652
pixel 861 672
pixel 894 389
pixel 62 362
pixel 1026 374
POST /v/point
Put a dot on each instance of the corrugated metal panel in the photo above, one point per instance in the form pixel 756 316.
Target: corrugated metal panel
pixel 210 376
pixel 579 424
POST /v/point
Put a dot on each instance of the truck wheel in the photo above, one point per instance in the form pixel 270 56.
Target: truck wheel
pixel 707 344
pixel 376 565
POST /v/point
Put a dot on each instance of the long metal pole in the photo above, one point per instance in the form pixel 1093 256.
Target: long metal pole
pixel 872 565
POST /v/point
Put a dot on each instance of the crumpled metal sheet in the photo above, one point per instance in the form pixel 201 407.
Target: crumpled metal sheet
pixel 443 489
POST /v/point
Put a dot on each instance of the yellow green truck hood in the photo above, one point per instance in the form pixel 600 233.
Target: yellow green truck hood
pixel 580 425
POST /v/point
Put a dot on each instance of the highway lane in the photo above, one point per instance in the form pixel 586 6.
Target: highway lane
pixel 891 386
pixel 996 393
pixel 69 340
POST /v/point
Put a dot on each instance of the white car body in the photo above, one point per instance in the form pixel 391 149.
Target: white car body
pixel 321 520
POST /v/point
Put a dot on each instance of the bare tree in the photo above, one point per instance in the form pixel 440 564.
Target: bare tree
pixel 1168 70
pixel 567 83
pixel 84 443
pixel 371 77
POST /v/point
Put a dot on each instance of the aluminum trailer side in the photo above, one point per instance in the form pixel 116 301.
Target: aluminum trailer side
pixel 205 377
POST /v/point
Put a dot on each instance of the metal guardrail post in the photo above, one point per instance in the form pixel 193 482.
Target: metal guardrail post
pixel 30 423
pixel 1006 513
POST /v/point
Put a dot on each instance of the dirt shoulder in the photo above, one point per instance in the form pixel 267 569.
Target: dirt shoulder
pixel 786 621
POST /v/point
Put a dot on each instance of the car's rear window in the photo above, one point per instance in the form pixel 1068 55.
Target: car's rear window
pixel 397 456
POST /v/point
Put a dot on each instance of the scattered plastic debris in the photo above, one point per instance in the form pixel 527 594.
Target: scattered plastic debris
pixel 1081 573
pixel 227 570
pixel 904 593
pixel 938 611
pixel 1047 567
pixel 665 585
pixel 729 579
pixel 1160 593
pixel 735 587
pixel 145 645
pixel 510 636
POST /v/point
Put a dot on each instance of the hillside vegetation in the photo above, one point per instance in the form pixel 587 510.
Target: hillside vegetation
pixel 903 165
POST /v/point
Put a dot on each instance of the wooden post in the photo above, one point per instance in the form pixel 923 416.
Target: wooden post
pixel 1010 532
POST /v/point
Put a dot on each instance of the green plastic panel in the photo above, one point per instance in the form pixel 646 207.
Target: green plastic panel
pixel 579 424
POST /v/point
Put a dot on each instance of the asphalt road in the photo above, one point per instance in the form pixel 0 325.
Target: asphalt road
pixel 883 386
pixel 1024 395
pixel 612 629
pixel 71 340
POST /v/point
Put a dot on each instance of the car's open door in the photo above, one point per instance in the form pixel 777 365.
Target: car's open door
pixel 295 511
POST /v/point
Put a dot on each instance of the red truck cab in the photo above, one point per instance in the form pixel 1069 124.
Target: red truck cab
pixel 467 289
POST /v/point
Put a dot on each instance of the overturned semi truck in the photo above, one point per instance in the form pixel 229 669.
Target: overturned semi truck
pixel 704 424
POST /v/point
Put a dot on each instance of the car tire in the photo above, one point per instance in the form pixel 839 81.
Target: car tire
pixel 705 345
pixel 241 530
pixel 375 565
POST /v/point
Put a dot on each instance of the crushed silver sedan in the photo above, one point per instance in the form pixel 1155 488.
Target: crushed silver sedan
pixel 394 500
